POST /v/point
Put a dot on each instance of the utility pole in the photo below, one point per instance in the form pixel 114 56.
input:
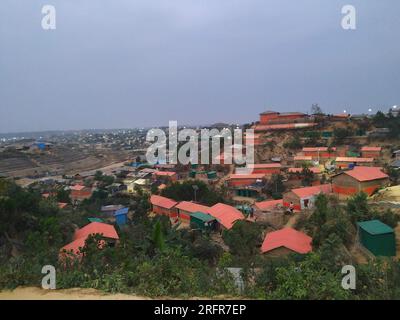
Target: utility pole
pixel 195 188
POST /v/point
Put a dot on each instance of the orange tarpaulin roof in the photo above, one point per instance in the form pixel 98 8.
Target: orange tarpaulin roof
pixel 226 215
pixel 192 207
pixel 366 173
pixel 162 202
pixel 288 238
pixel 104 229
pixel 268 204
pixel 312 191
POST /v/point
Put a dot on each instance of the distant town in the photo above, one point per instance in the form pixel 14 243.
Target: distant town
pixel 321 184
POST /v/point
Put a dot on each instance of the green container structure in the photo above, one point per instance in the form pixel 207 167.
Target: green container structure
pixel 194 166
pixel 247 193
pixel 377 237
pixel 352 154
pixel 192 174
pixel 327 134
pixel 212 175
pixel 202 221
pixel 95 220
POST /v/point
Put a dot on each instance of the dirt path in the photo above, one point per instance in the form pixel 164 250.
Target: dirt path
pixel 35 293
pixel 32 293
pixel 292 220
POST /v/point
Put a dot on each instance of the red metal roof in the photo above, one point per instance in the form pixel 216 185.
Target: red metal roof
pixel 104 229
pixel 162 202
pixel 312 191
pixel 247 176
pixel 192 207
pixel 288 238
pixel 268 204
pixel 73 249
pixel 366 148
pixel 299 170
pixel 264 165
pixel 287 126
pixel 226 215
pixel 164 173
pixel 354 159
pixel 316 149
pixel 366 173
pixel 77 187
pixel 302 158
pixel 62 205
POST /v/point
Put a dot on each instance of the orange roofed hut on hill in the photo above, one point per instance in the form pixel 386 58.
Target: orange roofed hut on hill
pixel 225 214
pixel 286 241
pixel 185 208
pixel 265 168
pixel 80 192
pixel 346 162
pixel 317 153
pixel 274 117
pixel 303 198
pixel 74 249
pixel 239 180
pixel 360 179
pixel 371 152
pixel 163 206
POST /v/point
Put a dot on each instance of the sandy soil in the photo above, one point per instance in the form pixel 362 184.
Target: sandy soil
pixel 32 293
pixel 36 293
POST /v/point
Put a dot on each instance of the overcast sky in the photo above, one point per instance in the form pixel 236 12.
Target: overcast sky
pixel 140 63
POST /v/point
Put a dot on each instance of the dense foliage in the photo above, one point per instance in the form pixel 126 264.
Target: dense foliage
pixel 154 258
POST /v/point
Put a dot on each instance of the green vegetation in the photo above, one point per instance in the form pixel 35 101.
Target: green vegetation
pixel 293 144
pixel 154 258
pixel 183 191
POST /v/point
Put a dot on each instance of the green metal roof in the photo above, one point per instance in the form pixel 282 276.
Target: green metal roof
pixel 95 220
pixel 202 216
pixel 375 227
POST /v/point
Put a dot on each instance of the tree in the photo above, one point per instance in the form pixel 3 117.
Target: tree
pixel 340 134
pixel 316 109
pixel 308 280
pixel 275 187
pixel 357 208
pixel 244 238
pixel 158 237
pixel 63 196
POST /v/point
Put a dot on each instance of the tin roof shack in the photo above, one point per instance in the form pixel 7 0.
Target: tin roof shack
pixel 165 176
pixel 286 241
pixel 73 250
pixel 110 210
pixel 186 208
pixel 121 216
pixel 265 168
pixel 295 174
pixel 202 221
pixel 303 198
pixel 350 162
pixel 282 127
pixel 80 192
pixel 377 237
pixel 319 153
pixel 226 215
pixel 163 206
pixel 300 160
pixel 360 179
pixel 270 211
pixel 269 117
pixel 371 152
pixel 240 180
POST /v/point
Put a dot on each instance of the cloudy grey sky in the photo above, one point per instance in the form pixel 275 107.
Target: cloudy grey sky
pixel 129 63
